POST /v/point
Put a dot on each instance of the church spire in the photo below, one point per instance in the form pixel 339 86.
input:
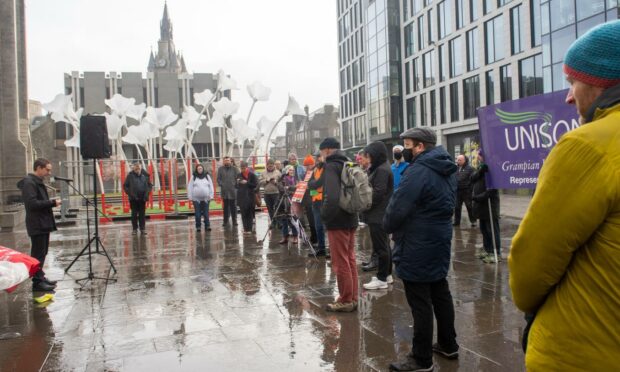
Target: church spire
pixel 165 25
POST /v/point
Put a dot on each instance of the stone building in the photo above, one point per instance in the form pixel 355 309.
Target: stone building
pixel 305 133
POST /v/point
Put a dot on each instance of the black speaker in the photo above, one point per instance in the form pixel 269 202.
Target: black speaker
pixel 94 142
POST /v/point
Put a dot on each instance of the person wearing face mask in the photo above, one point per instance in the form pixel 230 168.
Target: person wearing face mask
pixel 399 164
pixel 419 215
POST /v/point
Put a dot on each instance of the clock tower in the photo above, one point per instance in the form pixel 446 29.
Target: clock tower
pixel 167 59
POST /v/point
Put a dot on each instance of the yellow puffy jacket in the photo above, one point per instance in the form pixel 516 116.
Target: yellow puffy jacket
pixel 565 258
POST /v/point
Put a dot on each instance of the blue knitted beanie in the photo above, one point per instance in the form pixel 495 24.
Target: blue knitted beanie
pixel 594 58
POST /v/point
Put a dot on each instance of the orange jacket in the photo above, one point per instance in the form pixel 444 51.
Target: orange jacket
pixel 317 194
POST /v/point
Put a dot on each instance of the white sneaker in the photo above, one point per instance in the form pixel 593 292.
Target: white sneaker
pixel 389 280
pixel 376 284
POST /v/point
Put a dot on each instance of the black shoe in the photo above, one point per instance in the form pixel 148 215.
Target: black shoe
pixel 235 224
pixel 370 267
pixel 447 354
pixel 456 224
pixel 318 254
pixel 42 287
pixel 50 282
pixel 208 228
pixel 473 225
pixel 225 224
pixel 410 364
pixel 198 229
pixel 142 232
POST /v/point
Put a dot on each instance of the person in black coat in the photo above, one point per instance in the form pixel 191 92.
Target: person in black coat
pixel 246 185
pixel 39 218
pixel 463 193
pixel 419 217
pixel 381 180
pixel 486 209
pixel 138 186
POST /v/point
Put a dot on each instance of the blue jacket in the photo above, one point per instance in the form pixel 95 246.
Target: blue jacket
pixel 419 217
pixel 397 170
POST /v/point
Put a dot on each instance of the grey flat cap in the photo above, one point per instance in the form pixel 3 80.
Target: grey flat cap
pixel 426 135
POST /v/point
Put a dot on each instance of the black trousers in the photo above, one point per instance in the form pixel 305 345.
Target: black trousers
pixel 39 246
pixel 247 216
pixel 463 196
pixel 381 247
pixel 424 300
pixel 487 235
pixel 230 209
pixel 310 217
pixel 272 202
pixel 138 214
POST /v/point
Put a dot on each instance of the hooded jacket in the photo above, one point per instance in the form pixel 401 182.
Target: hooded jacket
pixel 381 180
pixel 564 260
pixel 200 188
pixel 334 217
pixel 481 195
pixel 138 186
pixel 419 217
pixel 39 214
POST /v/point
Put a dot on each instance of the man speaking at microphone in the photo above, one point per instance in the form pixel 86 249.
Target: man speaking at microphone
pixel 39 218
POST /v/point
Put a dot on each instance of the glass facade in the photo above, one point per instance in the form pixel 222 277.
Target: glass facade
pixel 490 90
pixel 493 31
pixel 530 76
pixel 471 96
pixel 505 83
pixel 473 59
pixel 516 27
pixel 456 57
pixel 454 102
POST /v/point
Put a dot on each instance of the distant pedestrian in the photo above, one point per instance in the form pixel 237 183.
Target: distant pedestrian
pixel 565 257
pixel 399 164
pixel 246 183
pixel 300 171
pixel 227 181
pixel 382 183
pixel 419 216
pixel 269 180
pixel 307 200
pixel 288 185
pixel 279 166
pixel 340 226
pixel 463 193
pixel 486 209
pixel 200 192
pixel 40 220
pixel 315 185
pixel 138 186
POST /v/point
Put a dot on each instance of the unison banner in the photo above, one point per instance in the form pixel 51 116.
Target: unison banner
pixel 517 136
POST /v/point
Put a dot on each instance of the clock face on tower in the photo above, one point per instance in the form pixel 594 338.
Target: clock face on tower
pixel 161 62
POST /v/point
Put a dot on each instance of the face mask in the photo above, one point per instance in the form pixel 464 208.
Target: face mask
pixel 407 155
pixel 398 155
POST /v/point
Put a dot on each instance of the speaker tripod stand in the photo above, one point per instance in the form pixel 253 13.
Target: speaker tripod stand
pixel 95 239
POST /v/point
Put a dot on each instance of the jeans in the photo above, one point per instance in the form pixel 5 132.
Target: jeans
pixel 286 222
pixel 137 214
pixel 487 235
pixel 318 224
pixel 424 299
pixel 201 209
pixel 342 249
pixel 463 196
pixel 272 201
pixel 40 245
pixel 230 209
pixel 381 246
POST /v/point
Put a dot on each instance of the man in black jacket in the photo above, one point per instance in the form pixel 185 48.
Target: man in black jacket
pixel 340 226
pixel 382 182
pixel 39 218
pixel 486 209
pixel 138 187
pixel 419 217
pixel 463 192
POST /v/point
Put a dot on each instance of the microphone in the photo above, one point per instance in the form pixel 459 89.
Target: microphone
pixel 58 178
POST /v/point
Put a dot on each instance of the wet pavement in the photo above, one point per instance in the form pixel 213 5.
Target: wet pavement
pixel 219 301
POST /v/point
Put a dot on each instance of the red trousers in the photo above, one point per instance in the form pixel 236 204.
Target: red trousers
pixel 342 250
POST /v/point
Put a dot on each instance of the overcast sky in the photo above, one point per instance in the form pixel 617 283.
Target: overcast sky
pixel 288 45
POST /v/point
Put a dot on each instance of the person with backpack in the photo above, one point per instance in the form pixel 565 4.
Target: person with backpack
pixel 200 192
pixel 382 183
pixel 340 224
pixel 419 215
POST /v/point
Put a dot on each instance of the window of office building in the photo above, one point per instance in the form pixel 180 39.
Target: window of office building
pixel 429 68
pixel 563 13
pixel 535 22
pixel 442 105
pixel 361 92
pixel 431 26
pixel 409 45
pixel 503 2
pixel 454 102
pixel 530 76
pixel 407 78
pixel 516 27
pixel 411 123
pixel 417 6
pixel 423 118
pixel 416 75
pixel 456 57
pixel 444 13
pixel 473 59
pixel 585 25
pixel 493 31
pixel 473 10
pixel 443 58
pixel 489 6
pixel 405 10
pixel 490 83
pixel 421 38
pixel 433 110
pixel 589 8
pixel 505 83
pixel 562 39
pixel 460 10
pixel 471 96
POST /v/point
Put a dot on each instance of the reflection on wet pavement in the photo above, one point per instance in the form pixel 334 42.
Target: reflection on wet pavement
pixel 219 301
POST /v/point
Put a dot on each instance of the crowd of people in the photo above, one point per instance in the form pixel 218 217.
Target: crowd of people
pixel 563 261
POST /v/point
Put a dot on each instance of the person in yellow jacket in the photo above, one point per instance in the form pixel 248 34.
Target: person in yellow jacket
pixel 565 258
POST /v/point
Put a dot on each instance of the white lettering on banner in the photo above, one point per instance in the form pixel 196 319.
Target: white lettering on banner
pixel 523 180
pixel 525 166
pixel 537 136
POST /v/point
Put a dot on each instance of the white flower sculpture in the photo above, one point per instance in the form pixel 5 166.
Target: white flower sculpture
pixel 226 107
pixel 115 124
pixel 160 117
pixel 120 105
pixel 217 120
pixel 259 92
pixel 203 98
pixel 224 82
pixel 293 107
pixel 193 118
pixel 61 109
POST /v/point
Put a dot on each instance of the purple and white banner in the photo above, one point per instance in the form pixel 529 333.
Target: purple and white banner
pixel 517 136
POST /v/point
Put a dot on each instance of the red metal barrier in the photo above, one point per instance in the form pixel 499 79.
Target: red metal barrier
pixel 162 187
pixel 124 197
pixel 151 181
pixel 103 206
